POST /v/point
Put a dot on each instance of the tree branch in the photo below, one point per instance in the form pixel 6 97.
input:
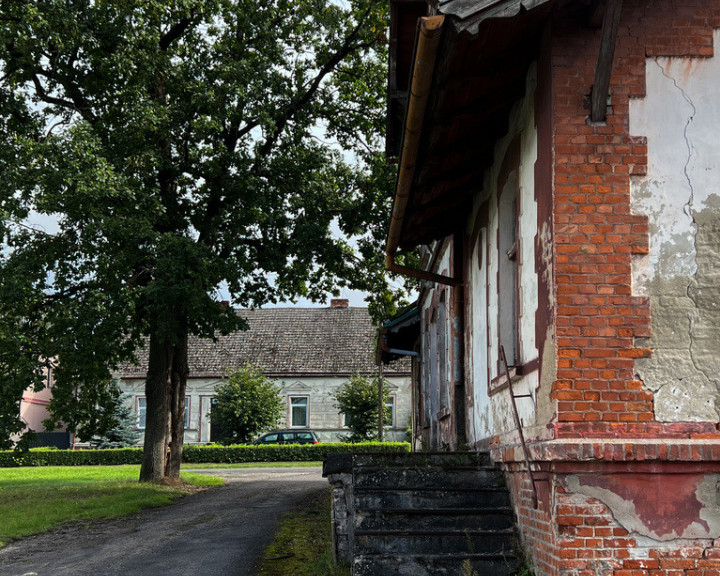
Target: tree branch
pixel 176 31
pixel 290 111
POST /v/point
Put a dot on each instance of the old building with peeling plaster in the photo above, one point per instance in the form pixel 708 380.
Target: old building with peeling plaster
pixel 559 167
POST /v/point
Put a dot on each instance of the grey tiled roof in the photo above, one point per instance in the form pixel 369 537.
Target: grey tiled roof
pixel 286 342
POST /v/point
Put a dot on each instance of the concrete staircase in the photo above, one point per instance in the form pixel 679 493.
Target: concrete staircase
pixel 431 514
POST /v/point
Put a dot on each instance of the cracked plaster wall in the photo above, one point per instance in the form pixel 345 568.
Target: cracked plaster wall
pixel 680 116
pixel 657 507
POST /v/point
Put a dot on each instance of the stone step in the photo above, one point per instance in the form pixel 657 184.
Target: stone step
pixel 435 543
pixel 435 519
pixel 419 477
pixel 472 498
pixel 441 460
pixel 456 565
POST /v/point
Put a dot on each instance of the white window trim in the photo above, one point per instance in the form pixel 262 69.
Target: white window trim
pixel 307 412
pixel 138 422
pixel 188 405
pixel 393 400
pixel 138 399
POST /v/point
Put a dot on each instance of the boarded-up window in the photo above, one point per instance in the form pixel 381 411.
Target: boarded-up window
pixel 507 268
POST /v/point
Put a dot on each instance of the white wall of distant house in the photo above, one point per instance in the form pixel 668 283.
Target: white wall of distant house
pixel 322 415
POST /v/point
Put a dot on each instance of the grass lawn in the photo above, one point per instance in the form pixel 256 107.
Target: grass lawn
pixel 303 542
pixel 34 500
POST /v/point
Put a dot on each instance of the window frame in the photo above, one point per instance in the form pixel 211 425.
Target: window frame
pixel 140 412
pixel 508 289
pixel 291 423
pixel 393 409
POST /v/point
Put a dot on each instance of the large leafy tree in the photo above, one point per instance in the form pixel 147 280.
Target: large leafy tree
pixel 181 146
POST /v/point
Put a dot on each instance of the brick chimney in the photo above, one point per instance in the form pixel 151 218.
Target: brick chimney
pixel 339 303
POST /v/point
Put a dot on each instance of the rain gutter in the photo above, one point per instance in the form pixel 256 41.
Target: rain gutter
pixel 428 38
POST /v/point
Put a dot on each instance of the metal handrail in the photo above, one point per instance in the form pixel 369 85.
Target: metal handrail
pixel 526 453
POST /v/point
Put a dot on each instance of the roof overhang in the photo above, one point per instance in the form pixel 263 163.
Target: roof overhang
pixel 399 335
pixel 480 61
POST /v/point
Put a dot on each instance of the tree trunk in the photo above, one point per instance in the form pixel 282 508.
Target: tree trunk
pixel 178 382
pixel 160 359
pixel 381 403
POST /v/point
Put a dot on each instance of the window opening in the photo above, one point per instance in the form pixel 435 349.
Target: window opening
pixel 299 412
pixel 141 413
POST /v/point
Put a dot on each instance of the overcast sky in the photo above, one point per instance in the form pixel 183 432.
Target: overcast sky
pixel 48 223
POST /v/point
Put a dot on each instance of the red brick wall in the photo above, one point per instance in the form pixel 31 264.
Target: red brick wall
pixel 536 524
pixel 596 315
pixel 592 543
pixel 570 534
pixel 596 235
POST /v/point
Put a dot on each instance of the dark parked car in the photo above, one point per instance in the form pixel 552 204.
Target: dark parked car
pixel 288 437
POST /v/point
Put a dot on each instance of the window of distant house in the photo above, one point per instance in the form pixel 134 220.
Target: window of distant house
pixel 508 270
pixel 141 412
pixel 345 419
pixel 390 412
pixel 298 412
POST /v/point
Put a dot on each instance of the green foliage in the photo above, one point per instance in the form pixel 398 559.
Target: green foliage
pixel 285 452
pixel 54 457
pixel 123 432
pixel 178 147
pixel 358 400
pixel 303 545
pixel 196 454
pixel 246 404
pixel 38 500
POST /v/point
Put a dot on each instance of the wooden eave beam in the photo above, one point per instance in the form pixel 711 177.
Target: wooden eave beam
pixel 428 38
pixel 603 70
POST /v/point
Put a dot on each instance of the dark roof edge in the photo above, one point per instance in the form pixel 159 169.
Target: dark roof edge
pixel 469 14
pixel 403 315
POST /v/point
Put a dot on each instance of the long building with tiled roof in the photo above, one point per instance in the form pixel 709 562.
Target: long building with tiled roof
pixel 338 340
pixel 309 352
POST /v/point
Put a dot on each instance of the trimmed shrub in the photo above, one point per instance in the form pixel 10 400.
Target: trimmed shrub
pixel 194 454
pixel 284 452
pixel 55 457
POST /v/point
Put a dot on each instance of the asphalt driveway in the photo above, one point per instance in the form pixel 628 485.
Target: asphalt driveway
pixel 217 532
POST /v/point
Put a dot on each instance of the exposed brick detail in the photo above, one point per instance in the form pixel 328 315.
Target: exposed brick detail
pixel 596 235
pixel 575 535
pixel 605 420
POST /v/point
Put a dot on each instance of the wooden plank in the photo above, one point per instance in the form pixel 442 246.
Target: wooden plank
pixel 603 70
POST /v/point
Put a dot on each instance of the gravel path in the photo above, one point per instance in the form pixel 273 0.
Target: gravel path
pixel 216 532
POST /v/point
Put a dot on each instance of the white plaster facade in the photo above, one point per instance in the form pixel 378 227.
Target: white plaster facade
pixel 490 413
pixel 501 294
pixel 680 116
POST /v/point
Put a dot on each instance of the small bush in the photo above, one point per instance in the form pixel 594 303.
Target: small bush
pixel 196 454
pixel 246 404
pixel 358 400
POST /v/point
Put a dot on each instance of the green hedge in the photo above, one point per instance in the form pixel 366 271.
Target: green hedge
pixel 193 454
